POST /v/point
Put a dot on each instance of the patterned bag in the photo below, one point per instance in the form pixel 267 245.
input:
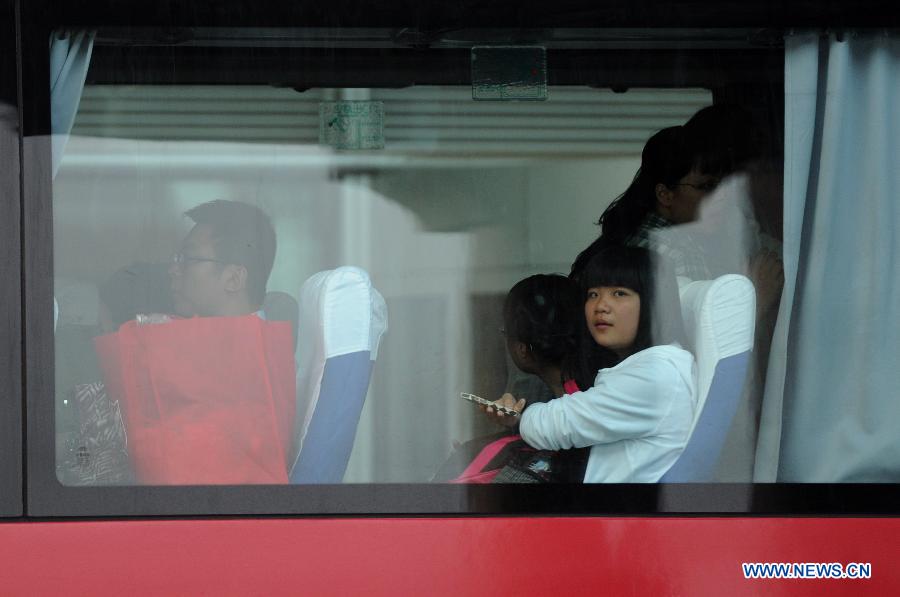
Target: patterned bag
pixel 98 454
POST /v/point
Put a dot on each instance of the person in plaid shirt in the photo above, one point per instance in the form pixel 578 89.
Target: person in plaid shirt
pixel 667 191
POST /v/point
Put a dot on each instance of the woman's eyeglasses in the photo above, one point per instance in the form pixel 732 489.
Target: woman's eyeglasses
pixel 709 185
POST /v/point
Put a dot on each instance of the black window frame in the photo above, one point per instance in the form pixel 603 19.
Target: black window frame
pixel 46 497
pixel 11 469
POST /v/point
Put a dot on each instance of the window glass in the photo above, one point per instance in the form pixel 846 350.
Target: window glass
pixel 272 284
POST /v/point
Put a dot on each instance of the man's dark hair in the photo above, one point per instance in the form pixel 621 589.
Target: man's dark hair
pixel 726 138
pixel 242 235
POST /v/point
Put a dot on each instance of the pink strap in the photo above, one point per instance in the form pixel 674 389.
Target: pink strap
pixel 485 456
pixel 478 478
pixel 570 386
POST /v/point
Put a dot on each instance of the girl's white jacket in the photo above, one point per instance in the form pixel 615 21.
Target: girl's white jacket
pixel 636 419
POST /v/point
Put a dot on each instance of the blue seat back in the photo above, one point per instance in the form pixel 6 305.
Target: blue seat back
pixel 342 319
pixel 332 428
pixel 719 318
pixel 701 455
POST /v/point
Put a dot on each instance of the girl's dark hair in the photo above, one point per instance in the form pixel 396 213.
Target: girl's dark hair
pixel 546 311
pixel 668 156
pixel 652 278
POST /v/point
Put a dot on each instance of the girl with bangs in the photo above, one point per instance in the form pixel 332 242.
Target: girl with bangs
pixel 636 419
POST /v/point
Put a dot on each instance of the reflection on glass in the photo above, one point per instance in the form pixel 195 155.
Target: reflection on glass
pixel 464 201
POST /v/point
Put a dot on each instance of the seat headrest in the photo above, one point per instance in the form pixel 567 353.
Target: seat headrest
pixel 78 302
pixel 344 311
pixel 719 317
pixel 280 306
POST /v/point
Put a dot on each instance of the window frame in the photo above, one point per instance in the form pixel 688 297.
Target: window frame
pixel 46 497
pixel 11 500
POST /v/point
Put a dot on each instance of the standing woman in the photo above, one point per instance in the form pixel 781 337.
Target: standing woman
pixel 637 417
pixel 674 177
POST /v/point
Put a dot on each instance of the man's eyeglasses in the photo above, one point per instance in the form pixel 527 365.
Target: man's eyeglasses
pixel 181 259
pixel 709 185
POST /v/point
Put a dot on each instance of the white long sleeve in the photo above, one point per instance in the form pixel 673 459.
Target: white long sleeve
pixel 636 418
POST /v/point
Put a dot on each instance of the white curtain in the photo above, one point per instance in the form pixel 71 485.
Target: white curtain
pixel 831 411
pixel 70 56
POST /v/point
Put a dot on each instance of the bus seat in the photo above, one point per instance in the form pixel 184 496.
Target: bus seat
pixel 342 319
pixel 78 302
pixel 280 306
pixel 719 317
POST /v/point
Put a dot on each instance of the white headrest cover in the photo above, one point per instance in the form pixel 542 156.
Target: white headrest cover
pixel 719 317
pixel 346 312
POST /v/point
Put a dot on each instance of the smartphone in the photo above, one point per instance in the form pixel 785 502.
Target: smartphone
pixel 479 400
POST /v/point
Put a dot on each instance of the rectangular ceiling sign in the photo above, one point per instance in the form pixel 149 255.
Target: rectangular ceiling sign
pixel 503 73
pixel 352 124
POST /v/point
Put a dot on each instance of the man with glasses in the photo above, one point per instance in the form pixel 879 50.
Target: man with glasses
pixel 208 397
pixel 224 262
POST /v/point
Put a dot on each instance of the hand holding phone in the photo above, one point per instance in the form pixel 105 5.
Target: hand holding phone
pixel 499 408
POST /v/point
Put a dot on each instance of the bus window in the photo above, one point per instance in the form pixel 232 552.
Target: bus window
pixel 298 257
pixel 464 200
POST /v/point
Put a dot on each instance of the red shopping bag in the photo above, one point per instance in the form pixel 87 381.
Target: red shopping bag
pixel 206 400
